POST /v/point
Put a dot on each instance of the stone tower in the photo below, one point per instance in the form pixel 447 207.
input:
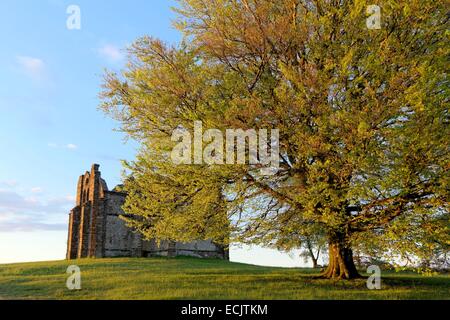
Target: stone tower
pixel 86 226
pixel 96 230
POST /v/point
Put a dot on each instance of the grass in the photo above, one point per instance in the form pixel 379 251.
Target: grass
pixel 191 278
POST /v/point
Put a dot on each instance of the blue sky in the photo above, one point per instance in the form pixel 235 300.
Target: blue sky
pixel 50 128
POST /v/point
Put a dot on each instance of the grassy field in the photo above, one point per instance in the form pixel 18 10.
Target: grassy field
pixel 190 278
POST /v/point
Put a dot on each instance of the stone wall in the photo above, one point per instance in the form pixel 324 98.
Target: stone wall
pixel 96 229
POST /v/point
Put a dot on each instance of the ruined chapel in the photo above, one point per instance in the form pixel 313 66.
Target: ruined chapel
pixel 95 229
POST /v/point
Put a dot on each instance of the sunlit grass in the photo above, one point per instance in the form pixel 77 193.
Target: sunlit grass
pixel 190 278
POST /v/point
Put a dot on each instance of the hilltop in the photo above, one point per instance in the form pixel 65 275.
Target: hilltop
pixel 191 278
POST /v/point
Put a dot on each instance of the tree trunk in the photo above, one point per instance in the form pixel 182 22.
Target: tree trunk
pixel 311 253
pixel 341 265
pixel 314 261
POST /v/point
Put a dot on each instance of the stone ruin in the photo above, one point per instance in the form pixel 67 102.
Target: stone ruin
pixel 95 229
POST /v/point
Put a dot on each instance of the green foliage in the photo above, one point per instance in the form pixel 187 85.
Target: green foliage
pixel 363 119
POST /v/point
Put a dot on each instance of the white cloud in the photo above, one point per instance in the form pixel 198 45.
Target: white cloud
pixel 111 53
pixel 18 213
pixel 37 190
pixel 32 67
pixel 9 183
pixel 71 146
pixel 70 198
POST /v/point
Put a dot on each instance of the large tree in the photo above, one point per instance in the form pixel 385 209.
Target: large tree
pixel 362 113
